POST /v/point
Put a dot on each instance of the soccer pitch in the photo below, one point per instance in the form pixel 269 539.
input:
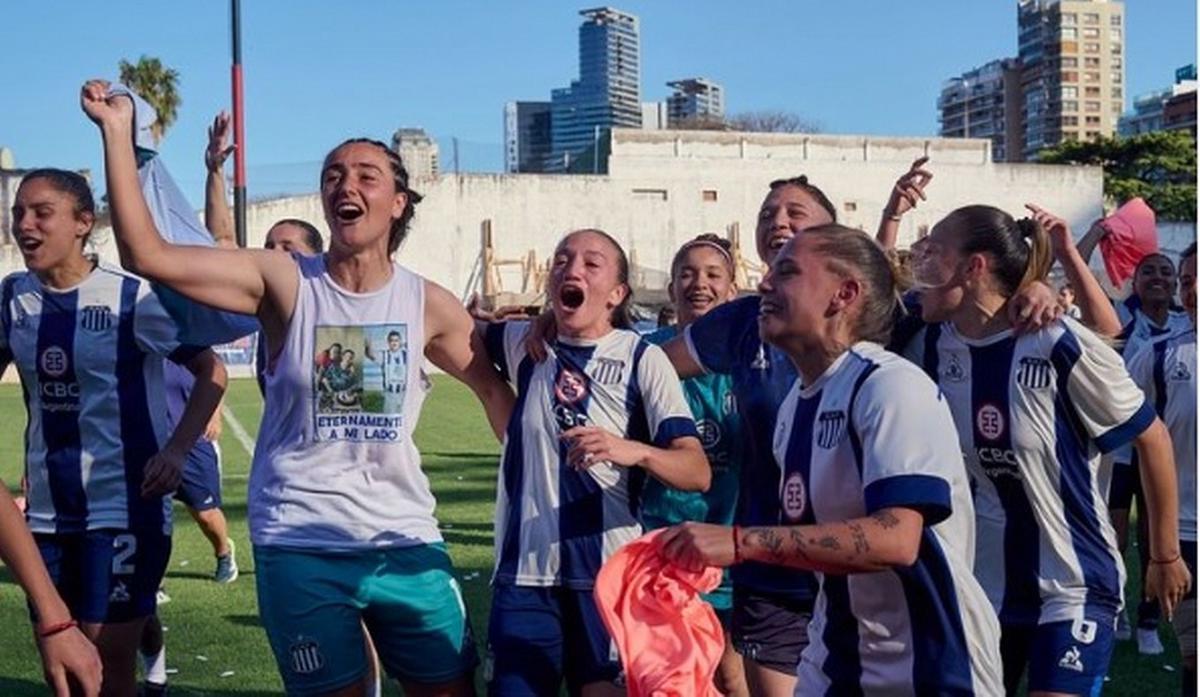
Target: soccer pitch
pixel 215 645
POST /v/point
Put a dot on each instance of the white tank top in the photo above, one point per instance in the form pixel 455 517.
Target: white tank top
pixel 335 467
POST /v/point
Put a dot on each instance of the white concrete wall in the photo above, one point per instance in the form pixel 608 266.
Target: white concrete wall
pixel 652 200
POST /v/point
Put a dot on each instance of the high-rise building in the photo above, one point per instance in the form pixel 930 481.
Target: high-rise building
pixel 695 98
pixel 607 93
pixel 985 103
pixel 1169 109
pixel 1073 70
pixel 526 136
pixel 417 151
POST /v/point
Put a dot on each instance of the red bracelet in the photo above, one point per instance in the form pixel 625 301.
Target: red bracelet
pixel 737 545
pixel 57 628
pixel 1172 560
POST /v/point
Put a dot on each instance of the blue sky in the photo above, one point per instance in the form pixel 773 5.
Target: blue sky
pixel 319 72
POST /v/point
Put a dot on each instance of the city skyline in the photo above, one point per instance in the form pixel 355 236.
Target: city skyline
pixel 322 73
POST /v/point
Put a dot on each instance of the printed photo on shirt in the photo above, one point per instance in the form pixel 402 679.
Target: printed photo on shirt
pixel 360 379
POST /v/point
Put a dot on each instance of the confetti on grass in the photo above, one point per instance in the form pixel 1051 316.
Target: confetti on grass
pixel 202 659
pixel 227 674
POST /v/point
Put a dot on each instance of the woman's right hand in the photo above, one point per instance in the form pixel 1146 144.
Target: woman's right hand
pixel 103 110
pixel 218 143
pixel 909 189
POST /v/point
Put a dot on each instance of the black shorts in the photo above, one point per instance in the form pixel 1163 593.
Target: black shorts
pixel 770 630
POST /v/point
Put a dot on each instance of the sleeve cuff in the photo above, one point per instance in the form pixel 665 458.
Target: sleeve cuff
pixel 674 427
pixel 927 494
pixel 1127 431
pixel 493 341
pixel 184 353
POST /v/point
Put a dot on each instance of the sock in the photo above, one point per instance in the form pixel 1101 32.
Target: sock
pixel 155 666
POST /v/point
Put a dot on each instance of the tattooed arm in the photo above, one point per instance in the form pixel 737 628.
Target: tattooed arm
pixel 887 538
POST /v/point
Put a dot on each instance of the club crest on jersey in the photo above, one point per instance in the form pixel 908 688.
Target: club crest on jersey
pixel 1034 373
pixel 306 656
pixel 760 359
pixel 608 371
pixel 570 386
pixel 710 433
pixel 96 318
pixel 794 497
pixel 954 371
pixel 1180 372
pixel 54 361
pixel 989 422
pixel 831 428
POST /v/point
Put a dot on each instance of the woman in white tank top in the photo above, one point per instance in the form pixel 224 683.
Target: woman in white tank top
pixel 340 513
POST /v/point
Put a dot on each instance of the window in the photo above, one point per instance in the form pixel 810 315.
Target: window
pixel 1116 77
pixel 1118 93
pixel 1091 48
pixel 1091 77
pixel 1092 33
pixel 1115 49
pixel 1068 33
pixel 1070 120
pixel 1087 106
pixel 1068 62
pixel 1093 135
pixel 650 194
pixel 1092 120
pixel 708 195
pixel 1067 18
pixel 1117 63
pixel 1070 106
pixel 1091 92
pixel 1070 136
pixel 1091 62
pixel 849 206
pixel 1114 34
pixel 1115 20
pixel 1070 76
pixel 1069 92
pixel 1091 18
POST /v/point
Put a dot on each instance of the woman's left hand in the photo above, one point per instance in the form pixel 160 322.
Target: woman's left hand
pixel 1033 307
pixel 1168 583
pixel 591 444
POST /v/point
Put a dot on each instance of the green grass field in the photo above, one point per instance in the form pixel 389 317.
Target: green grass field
pixel 213 631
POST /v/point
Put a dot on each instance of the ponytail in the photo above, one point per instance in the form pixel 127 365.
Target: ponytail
pixel 1041 255
pixel 1019 250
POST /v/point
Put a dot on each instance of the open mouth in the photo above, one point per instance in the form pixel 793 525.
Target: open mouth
pixel 348 212
pixel 29 244
pixel 571 297
pixel 776 242
pixel 699 299
pixel 766 307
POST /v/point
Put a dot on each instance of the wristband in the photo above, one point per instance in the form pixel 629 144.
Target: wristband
pixel 737 545
pixel 895 218
pixel 53 629
pixel 1172 560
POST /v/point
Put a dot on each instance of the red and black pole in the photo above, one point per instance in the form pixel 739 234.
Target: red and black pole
pixel 239 129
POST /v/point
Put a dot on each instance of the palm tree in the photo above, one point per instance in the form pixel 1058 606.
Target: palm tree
pixel 158 85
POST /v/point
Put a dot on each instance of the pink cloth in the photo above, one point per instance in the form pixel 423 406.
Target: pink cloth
pixel 1131 235
pixel 669 639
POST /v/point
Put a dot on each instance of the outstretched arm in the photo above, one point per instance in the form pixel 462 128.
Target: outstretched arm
pixel 217 216
pixel 887 538
pixel 453 345
pixel 231 280
pixel 66 652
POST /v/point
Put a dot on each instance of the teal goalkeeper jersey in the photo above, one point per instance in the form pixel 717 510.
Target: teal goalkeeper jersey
pixel 715 410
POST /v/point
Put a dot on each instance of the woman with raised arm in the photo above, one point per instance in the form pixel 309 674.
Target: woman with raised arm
pixel 603 411
pixel 1033 414
pixel 340 513
pixel 874 493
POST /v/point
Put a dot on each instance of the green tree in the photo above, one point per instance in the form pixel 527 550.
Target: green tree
pixel 1160 167
pixel 158 85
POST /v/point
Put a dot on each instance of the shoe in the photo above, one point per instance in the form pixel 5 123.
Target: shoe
pixel 161 597
pixel 153 689
pixel 1148 642
pixel 1124 631
pixel 227 569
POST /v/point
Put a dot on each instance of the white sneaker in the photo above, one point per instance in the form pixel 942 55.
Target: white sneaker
pixel 1148 642
pixel 227 569
pixel 1124 630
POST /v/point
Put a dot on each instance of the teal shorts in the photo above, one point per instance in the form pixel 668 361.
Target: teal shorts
pixel 313 605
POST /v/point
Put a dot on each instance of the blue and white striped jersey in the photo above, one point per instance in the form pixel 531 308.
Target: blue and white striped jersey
pixel 555 525
pixel 1138 330
pixel 1166 372
pixel 1033 414
pixel 874 433
pixel 91 371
